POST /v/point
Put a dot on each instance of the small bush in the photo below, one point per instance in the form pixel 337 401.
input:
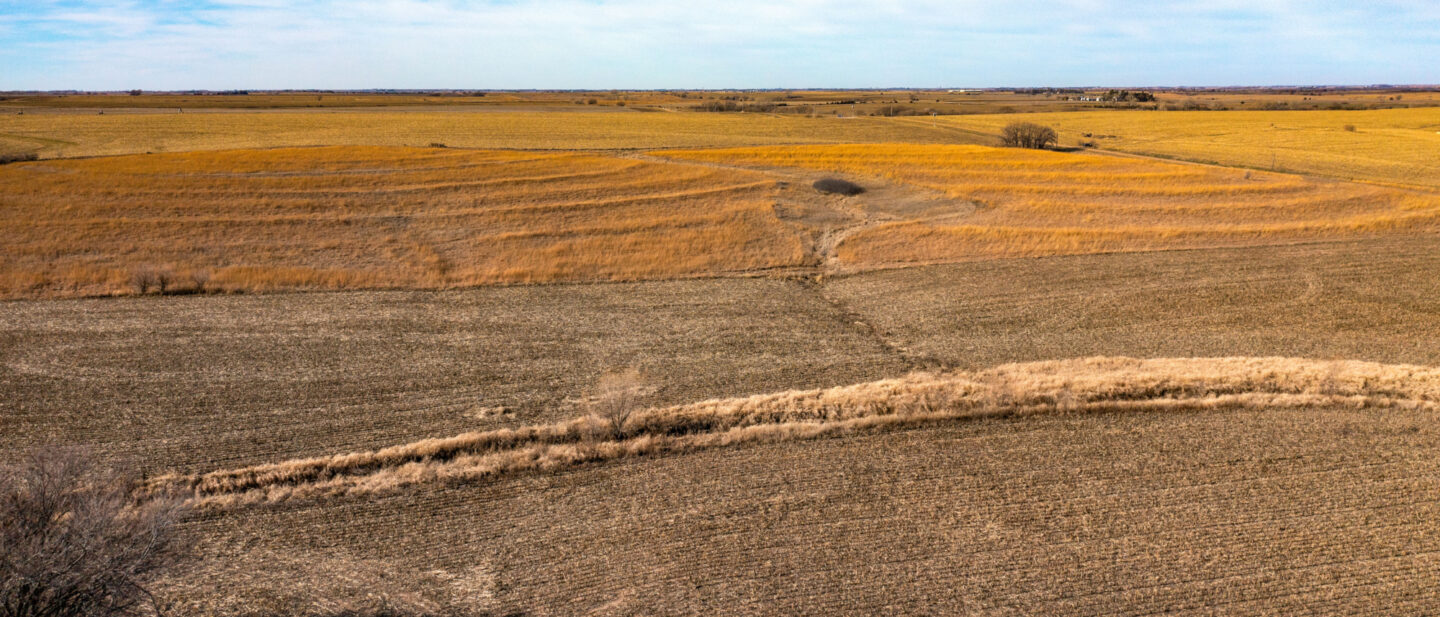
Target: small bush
pixel 1350 128
pixel 1028 135
pixel 436 144
pixel 75 542
pixel 163 279
pixel 146 278
pixel 143 279
pixel 199 279
pixel 837 186
pixel 617 397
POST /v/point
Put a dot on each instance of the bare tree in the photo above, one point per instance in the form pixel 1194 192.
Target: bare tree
pixel 198 280
pixel 1028 135
pixel 163 278
pixel 617 397
pixel 76 541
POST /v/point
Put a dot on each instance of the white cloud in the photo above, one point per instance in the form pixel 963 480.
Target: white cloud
pixel 740 43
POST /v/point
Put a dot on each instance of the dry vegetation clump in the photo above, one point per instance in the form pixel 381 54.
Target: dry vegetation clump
pixel 837 186
pixel 18 157
pixel 617 397
pixel 1095 385
pixel 372 217
pixel 76 542
pixel 1033 203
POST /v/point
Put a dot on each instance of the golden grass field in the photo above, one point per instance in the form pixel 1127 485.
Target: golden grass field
pixel 376 217
pixel 64 134
pixel 353 217
pixel 1395 146
pixel 1032 203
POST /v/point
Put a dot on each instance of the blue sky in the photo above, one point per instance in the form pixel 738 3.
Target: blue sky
pixel 258 44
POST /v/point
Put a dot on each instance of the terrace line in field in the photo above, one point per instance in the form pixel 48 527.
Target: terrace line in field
pixel 1033 203
pixel 376 217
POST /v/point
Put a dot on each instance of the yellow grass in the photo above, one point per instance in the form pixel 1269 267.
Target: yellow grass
pixel 375 217
pixel 1092 385
pixel 1047 203
pixel 1392 145
pixel 66 134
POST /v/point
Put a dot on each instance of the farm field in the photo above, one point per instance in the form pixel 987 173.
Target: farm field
pixel 1393 146
pixel 367 217
pixel 1266 511
pixel 260 377
pixel 66 134
pixel 352 217
pixel 1373 300
pixel 997 382
pixel 189 382
pixel 1030 203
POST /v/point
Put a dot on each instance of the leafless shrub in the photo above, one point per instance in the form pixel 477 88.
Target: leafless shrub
pixel 1350 128
pixel 1028 135
pixel 163 279
pixel 144 278
pixel 198 280
pixel 617 397
pixel 75 542
pixel 436 144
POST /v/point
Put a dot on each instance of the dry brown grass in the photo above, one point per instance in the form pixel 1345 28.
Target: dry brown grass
pixel 1392 145
pixel 355 217
pixel 1095 385
pixel 1035 203
pixel 65 134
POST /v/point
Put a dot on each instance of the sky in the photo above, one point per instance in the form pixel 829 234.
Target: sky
pixel 655 44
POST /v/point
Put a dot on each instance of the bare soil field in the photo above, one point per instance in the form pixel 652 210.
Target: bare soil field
pixel 187 382
pixel 224 380
pixel 1297 505
pixel 1373 299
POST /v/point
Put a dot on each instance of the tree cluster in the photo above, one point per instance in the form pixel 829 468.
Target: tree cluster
pixel 1028 135
pixel 1125 96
